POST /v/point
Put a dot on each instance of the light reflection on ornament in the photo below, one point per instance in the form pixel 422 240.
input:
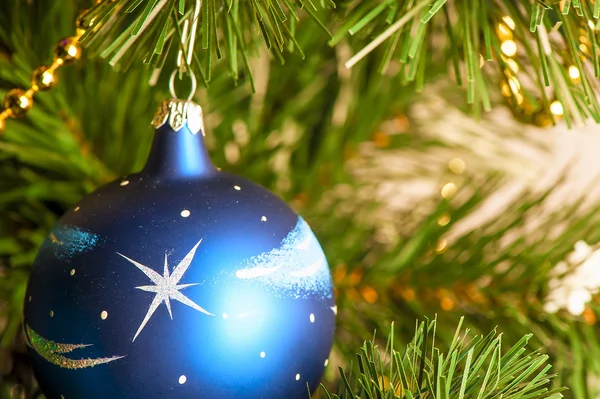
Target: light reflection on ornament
pixel 247 311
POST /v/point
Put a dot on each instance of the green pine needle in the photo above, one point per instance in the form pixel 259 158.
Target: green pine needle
pixel 478 369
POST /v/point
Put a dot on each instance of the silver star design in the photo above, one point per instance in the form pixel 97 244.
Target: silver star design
pixel 166 286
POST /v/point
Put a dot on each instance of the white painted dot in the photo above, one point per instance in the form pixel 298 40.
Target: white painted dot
pixel 326 362
pixel 104 315
pixel 29 298
pixel 52 313
pixel 124 183
pixel 264 218
pixel 77 209
pixel 237 188
pixel 297 377
pixel 185 213
pixel 225 315
pixel 263 354
pixel 72 273
pixel 182 379
pixel 312 318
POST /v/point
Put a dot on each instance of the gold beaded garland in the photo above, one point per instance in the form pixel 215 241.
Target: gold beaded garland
pixel 17 102
pixel 82 23
pixel 67 51
pixel 43 78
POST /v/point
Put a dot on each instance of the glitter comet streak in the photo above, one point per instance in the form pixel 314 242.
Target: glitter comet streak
pixel 52 352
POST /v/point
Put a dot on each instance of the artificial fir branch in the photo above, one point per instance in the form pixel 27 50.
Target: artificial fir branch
pixel 411 34
pixel 472 368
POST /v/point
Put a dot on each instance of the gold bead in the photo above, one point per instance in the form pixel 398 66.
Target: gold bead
pixel 2 125
pixel 83 23
pixel 17 102
pixel 42 79
pixel 67 51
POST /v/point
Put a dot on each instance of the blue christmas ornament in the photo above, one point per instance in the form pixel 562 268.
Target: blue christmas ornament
pixel 180 281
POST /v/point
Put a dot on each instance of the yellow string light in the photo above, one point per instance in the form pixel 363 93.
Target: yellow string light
pixel 556 108
pixel 441 246
pixel 509 22
pixel 509 48
pixel 448 190
pixel 514 84
pixel 512 65
pixel 506 90
pixel 457 166
pixel 444 219
pixel 504 32
pixel 574 73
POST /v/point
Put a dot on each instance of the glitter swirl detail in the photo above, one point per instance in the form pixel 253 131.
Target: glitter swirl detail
pixel 297 269
pixel 53 352
pixel 71 240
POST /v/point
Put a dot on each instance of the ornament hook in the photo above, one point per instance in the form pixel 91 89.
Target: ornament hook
pixel 172 85
pixel 187 41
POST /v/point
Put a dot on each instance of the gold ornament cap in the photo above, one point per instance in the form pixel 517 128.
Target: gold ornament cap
pixel 176 113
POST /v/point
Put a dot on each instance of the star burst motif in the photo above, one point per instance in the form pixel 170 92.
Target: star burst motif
pixel 167 286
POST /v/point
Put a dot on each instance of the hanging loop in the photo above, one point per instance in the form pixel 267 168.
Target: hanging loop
pixel 192 89
pixel 187 40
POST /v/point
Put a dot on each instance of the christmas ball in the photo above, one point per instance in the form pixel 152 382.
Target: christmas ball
pixel 180 281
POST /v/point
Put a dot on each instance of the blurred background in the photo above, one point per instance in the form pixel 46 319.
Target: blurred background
pixel 424 204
